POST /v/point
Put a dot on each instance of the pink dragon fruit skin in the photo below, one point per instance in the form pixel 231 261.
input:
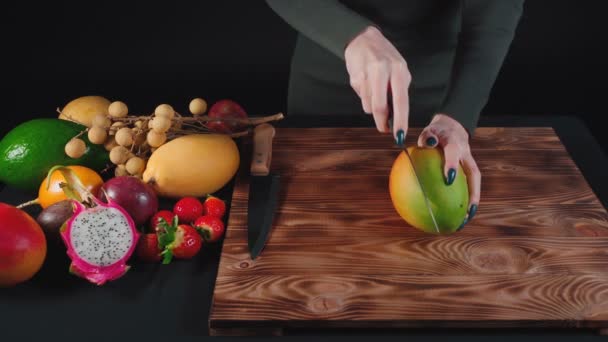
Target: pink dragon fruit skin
pixel 100 255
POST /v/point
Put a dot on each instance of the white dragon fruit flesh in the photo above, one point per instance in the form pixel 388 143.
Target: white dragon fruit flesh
pixel 100 240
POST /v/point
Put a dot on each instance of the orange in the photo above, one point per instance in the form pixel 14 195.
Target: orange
pixel 54 193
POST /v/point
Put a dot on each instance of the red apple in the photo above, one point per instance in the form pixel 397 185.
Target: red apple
pixel 226 109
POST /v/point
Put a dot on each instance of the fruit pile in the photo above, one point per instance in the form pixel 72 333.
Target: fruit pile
pixel 131 139
pixel 98 175
pixel 181 233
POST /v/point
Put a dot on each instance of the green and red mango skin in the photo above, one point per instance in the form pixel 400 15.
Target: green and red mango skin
pixel 22 246
pixel 449 203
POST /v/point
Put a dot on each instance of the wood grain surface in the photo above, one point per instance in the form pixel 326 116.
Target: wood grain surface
pixel 536 254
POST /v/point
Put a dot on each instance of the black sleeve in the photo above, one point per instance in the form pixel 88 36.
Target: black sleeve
pixel 327 22
pixel 488 28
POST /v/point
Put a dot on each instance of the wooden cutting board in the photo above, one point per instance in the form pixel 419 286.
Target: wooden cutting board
pixel 536 254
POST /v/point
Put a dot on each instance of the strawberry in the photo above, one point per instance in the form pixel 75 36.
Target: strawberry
pixel 211 227
pixel 187 242
pixel 181 241
pixel 147 248
pixel 214 207
pixel 164 214
pixel 188 209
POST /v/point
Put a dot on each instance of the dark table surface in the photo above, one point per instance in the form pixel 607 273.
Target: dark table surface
pixel 175 299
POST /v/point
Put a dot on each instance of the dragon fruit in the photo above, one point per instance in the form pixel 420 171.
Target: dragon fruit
pixel 100 237
pixel 100 240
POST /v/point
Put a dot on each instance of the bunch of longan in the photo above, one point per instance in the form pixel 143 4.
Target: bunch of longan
pixel 131 141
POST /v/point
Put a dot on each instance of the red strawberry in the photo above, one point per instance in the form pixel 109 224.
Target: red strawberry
pixel 211 227
pixel 147 248
pixel 214 207
pixel 188 209
pixel 178 240
pixel 187 242
pixel 164 214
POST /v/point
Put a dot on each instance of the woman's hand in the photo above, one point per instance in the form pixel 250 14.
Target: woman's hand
pixel 375 66
pixel 454 140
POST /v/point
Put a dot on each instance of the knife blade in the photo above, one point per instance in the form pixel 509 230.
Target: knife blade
pixel 263 190
pixel 407 153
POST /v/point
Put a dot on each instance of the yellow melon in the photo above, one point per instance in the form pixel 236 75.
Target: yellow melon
pixel 84 109
pixel 192 165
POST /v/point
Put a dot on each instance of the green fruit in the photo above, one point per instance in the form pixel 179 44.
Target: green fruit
pixel 449 203
pixel 31 149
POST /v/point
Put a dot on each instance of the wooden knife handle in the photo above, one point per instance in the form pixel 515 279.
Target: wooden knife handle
pixel 262 149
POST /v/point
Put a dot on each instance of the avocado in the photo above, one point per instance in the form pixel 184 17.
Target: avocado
pixel 31 149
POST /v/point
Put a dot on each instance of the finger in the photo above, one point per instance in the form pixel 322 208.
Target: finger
pixel 379 88
pixel 474 181
pixel 451 153
pixel 359 84
pixel 365 96
pixel 400 81
pixel 428 138
pixel 357 88
pixel 355 83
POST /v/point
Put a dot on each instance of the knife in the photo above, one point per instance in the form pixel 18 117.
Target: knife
pixel 407 153
pixel 263 190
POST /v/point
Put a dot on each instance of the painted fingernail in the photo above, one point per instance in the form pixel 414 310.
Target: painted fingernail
pixel 400 137
pixel 472 211
pixel 463 224
pixel 431 141
pixel 451 176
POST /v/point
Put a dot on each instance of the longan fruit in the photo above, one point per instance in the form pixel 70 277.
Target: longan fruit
pixel 135 165
pixel 164 110
pixel 120 170
pixel 110 143
pixel 119 155
pixel 118 109
pixel 156 139
pixel 124 136
pixel 161 124
pixel 197 106
pixel 102 121
pixel 115 127
pixel 75 148
pixel 97 135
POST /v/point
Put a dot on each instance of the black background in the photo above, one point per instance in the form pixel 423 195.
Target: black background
pixel 145 54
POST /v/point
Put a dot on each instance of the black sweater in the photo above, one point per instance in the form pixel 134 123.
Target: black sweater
pixel 454 50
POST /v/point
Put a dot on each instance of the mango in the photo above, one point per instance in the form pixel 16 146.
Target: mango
pixel 84 109
pixel 449 203
pixel 192 165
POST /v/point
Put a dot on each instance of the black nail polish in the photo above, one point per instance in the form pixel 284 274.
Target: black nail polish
pixel 472 211
pixel 463 224
pixel 431 141
pixel 451 176
pixel 400 137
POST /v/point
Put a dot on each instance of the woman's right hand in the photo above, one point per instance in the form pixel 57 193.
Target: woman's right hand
pixel 375 66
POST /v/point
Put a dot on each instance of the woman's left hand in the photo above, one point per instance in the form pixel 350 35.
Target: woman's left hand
pixel 454 140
